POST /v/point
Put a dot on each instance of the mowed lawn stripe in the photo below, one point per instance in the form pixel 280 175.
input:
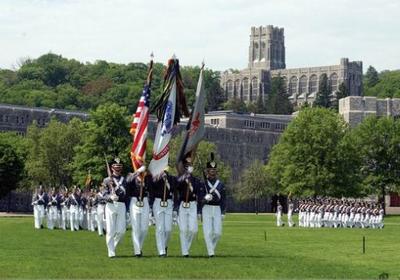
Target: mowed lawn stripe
pixel 242 252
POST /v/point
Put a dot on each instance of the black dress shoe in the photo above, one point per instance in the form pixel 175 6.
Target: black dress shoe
pixel 162 255
pixel 186 256
pixel 138 255
pixel 211 256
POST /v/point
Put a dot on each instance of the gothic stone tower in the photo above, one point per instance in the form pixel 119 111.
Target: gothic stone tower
pixel 267 48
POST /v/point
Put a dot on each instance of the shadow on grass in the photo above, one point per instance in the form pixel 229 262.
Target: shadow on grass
pixel 195 257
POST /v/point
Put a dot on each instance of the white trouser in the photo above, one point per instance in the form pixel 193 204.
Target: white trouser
pixel 82 218
pixel 52 217
pixel 312 219
pixel 140 223
pixel 300 219
pixel 115 224
pixel 100 218
pixel 163 218
pixel 319 219
pixel 290 219
pixel 74 217
pixel 91 219
pixel 357 220
pixel 64 218
pixel 279 219
pixel 307 219
pixel 212 226
pixel 38 213
pixel 379 221
pixel 187 221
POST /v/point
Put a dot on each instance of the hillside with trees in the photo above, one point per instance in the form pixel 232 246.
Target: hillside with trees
pixel 56 82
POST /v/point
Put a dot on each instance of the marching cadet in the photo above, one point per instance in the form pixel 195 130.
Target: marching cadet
pixel 64 208
pixel 74 201
pixel 100 210
pixel 279 210
pixel 115 207
pixel 290 213
pixel 91 210
pixel 39 201
pixel 52 206
pixel 162 191
pixel 82 209
pixel 212 196
pixel 137 189
pixel 188 189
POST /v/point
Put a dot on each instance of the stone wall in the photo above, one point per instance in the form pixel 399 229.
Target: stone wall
pixel 355 108
pixel 18 118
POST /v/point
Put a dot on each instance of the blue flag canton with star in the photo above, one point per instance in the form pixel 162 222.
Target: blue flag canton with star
pixel 146 94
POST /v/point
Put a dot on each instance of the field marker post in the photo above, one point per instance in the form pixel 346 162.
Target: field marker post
pixel 363 244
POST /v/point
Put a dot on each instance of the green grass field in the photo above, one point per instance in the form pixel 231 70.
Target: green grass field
pixel 243 252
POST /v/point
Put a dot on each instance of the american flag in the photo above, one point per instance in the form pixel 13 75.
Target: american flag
pixel 139 125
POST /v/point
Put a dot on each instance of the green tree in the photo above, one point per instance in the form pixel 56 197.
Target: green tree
pixel 313 157
pixel 341 93
pixel 254 184
pixel 12 159
pixel 378 143
pixel 260 105
pixel 371 77
pixel 388 85
pixel 323 95
pixel 202 156
pixel 236 105
pixel 51 150
pixel 106 133
pixel 278 100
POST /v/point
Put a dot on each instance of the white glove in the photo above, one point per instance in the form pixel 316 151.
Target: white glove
pixel 199 217
pixel 208 197
pixel 174 215
pixel 223 216
pixel 114 197
pixel 141 169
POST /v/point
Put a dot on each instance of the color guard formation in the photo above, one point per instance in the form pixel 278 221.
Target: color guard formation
pixel 135 200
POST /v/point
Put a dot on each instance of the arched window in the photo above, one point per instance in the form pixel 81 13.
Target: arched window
pixel 293 85
pixel 245 84
pixel 255 51
pixel 237 89
pixel 262 55
pixel 285 85
pixel 313 83
pixel 229 89
pixel 254 89
pixel 333 82
pixel 303 84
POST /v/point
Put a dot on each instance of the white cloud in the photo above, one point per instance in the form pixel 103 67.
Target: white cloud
pixel 316 32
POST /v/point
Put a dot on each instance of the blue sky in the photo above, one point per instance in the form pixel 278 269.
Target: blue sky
pixel 317 33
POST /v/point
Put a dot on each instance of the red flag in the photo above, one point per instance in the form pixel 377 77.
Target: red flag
pixel 140 123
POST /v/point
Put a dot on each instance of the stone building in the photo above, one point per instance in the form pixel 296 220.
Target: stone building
pixel 18 118
pixel 355 108
pixel 267 60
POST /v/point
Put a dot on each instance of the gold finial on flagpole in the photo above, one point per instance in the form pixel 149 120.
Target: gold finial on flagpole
pixel 151 55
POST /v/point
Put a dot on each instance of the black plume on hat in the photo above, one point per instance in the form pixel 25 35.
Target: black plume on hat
pixel 212 163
